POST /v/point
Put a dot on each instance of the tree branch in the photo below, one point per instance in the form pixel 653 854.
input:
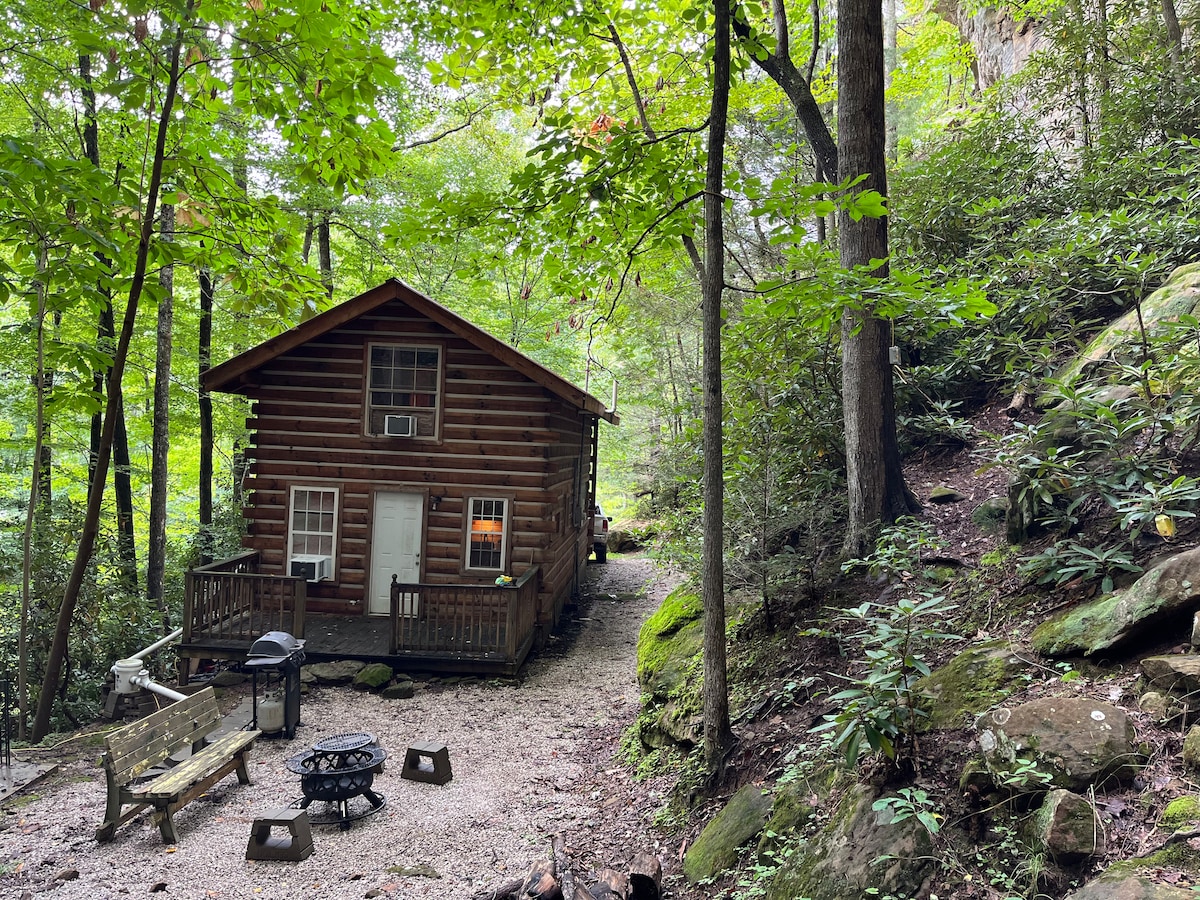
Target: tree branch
pixel 796 88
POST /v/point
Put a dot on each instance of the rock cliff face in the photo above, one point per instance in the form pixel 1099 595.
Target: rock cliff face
pixel 1002 45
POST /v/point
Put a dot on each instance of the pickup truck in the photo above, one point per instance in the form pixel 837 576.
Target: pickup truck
pixel 600 534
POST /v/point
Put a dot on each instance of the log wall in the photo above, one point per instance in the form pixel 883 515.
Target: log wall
pixel 500 434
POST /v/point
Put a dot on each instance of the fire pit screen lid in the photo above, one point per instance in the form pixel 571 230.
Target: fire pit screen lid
pixel 275 646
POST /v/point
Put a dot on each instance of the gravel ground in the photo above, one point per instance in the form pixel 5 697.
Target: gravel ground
pixel 531 760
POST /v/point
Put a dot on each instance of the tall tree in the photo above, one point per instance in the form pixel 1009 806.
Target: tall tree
pixel 87 537
pixel 875 480
pixel 161 430
pixel 204 363
pixel 718 733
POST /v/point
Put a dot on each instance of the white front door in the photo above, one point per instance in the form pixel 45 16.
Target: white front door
pixel 395 550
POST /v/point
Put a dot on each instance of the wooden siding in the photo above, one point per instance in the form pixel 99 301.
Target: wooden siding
pixel 501 434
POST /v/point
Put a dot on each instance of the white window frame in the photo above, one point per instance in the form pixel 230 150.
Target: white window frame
pixel 486 514
pixel 293 532
pixel 437 391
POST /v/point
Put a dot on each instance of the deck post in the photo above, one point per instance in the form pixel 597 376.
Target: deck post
pixel 299 606
pixel 394 617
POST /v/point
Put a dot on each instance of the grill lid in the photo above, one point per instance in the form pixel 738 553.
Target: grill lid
pixel 275 646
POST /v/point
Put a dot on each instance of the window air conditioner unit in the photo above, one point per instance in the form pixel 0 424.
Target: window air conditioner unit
pixel 400 426
pixel 311 567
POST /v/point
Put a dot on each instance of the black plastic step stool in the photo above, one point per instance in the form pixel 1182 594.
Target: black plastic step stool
pixel 297 846
pixel 428 762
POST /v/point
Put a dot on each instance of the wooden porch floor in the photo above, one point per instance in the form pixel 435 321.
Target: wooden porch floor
pixel 330 637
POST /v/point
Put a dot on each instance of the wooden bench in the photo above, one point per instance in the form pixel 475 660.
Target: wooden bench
pixel 133 751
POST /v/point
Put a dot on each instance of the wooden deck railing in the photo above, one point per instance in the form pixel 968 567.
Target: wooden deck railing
pixel 229 601
pixel 467 621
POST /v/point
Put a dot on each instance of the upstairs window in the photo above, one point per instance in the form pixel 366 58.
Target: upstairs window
pixel 404 380
pixel 487 533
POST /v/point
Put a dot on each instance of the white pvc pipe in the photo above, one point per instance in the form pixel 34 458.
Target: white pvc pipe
pixel 161 643
pixel 143 679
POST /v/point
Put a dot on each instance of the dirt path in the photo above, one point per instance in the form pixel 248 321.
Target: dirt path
pixel 530 760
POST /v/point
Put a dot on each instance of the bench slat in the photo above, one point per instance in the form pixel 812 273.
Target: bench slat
pixel 145 743
pixel 175 781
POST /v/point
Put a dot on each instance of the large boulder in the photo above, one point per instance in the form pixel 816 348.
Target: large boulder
pixel 1168 592
pixel 716 849
pixel 861 848
pixel 1063 742
pixel 1130 887
pixel 1121 341
pixel 341 671
pixel 670 642
pixel 976 679
pixel 670 650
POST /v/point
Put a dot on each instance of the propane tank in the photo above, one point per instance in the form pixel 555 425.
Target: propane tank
pixel 270 713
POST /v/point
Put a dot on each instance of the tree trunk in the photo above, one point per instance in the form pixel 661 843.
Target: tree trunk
pixel 91 149
pixel 91 521
pixel 309 228
pixel 325 252
pixel 1174 41
pixel 206 419
pixel 889 68
pixel 36 506
pixel 718 733
pixel 157 553
pixel 875 481
pixel 645 876
pixel 127 569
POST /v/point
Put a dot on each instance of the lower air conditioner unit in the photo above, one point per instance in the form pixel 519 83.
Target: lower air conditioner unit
pixel 399 426
pixel 311 567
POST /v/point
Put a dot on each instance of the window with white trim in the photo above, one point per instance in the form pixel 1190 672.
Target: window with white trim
pixel 487 533
pixel 404 380
pixel 312 525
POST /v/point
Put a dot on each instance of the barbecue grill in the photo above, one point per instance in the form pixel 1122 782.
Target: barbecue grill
pixel 278 652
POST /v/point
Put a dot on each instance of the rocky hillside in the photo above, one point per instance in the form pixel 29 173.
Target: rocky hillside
pixel 961 715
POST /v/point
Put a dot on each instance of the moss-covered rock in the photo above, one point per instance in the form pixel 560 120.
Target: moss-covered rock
pixel 716 849
pixel 1167 591
pixel 1180 855
pixel 1067 827
pixel 670 654
pixel 373 677
pixel 1191 749
pixel 945 494
pixel 1179 295
pixel 669 641
pixel 791 810
pixel 1115 886
pixel 990 514
pixel 1179 812
pixel 860 848
pixel 976 679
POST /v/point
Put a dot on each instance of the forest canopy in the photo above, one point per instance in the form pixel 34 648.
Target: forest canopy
pixel 180 180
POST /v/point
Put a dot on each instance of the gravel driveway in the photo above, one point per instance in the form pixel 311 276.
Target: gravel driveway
pixel 531 760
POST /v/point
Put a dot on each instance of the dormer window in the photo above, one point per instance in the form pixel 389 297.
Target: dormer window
pixel 404 380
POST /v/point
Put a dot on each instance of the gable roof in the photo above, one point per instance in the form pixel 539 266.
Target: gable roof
pixel 232 375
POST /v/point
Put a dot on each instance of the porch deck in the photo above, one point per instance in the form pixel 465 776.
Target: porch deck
pixel 470 629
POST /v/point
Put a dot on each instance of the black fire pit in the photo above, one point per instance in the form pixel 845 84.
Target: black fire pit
pixel 336 771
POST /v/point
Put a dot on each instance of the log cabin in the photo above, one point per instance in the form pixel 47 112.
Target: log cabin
pixel 417 492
